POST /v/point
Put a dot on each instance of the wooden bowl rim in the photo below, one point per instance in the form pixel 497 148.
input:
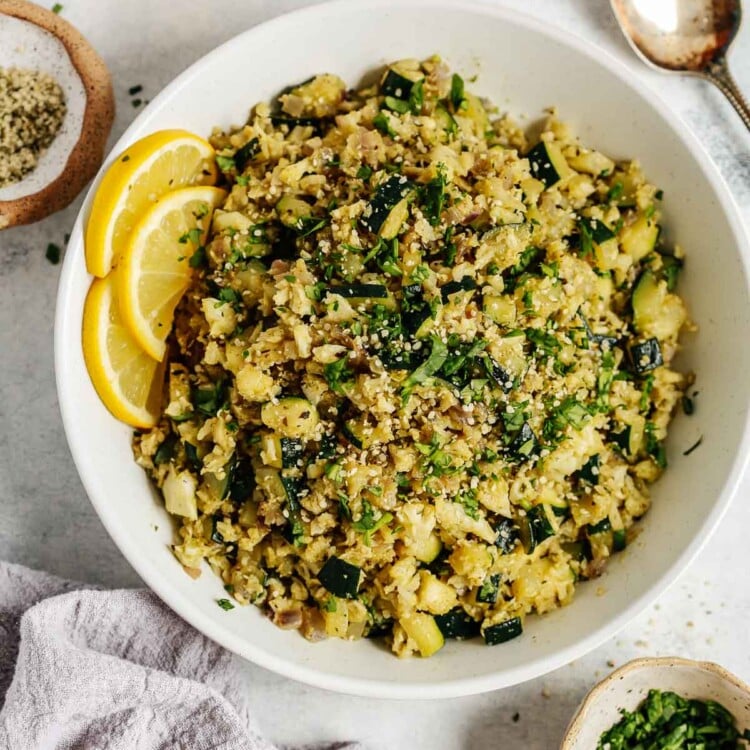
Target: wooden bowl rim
pixel 87 154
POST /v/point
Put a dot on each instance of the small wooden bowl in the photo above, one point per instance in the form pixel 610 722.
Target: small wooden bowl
pixel 628 686
pixel 37 39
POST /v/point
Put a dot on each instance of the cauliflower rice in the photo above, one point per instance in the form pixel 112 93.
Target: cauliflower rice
pixel 421 381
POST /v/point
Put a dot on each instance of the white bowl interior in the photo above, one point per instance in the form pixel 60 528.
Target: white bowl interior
pixel 628 687
pixel 25 45
pixel 524 68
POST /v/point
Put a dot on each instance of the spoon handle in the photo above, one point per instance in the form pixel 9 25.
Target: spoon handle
pixel 718 72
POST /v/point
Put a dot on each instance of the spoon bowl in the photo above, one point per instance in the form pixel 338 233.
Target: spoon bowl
pixel 686 36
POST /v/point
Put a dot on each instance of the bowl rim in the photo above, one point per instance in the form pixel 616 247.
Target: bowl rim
pixel 660 662
pixel 362 686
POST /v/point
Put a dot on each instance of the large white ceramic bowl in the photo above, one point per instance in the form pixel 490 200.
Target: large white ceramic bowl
pixel 524 66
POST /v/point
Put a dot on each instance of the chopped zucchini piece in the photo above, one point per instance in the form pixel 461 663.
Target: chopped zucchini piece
pixel 547 163
pixel 397 85
pixel 656 312
pixel 242 482
pixel 340 577
pixel 602 527
pixel 291 417
pixel 535 528
pixel 390 197
pixel 500 308
pixel 507 535
pixel 645 355
pixel 457 624
pixel 502 632
pixel 423 630
pixel 428 549
pixel 360 291
pixel 589 472
pixel 524 444
pixel 639 238
pixel 292 211
pixel 355 432
pixel 498 373
pixel 246 154
pixel 489 590
pixel 466 284
pixel 619 540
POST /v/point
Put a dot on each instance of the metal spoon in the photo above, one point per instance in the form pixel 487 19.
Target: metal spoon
pixel 686 36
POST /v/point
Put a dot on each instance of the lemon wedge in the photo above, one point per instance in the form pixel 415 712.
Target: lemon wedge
pixel 143 173
pixel 128 381
pixel 155 269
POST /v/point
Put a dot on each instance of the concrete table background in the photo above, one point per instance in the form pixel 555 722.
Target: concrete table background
pixel 47 522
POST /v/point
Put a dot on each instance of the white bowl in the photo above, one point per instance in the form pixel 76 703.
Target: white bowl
pixel 626 687
pixel 523 65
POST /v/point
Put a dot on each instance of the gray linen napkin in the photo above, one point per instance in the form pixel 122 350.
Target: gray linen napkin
pixel 84 669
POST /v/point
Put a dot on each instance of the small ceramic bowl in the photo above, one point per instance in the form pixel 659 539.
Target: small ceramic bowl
pixel 34 38
pixel 629 685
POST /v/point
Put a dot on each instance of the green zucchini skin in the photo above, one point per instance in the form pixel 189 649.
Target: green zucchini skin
pixel 537 528
pixel 503 631
pixel 545 164
pixel 524 444
pixel 340 577
pixel 387 196
pixel 396 85
pixel 507 535
pixel 457 624
pixel 489 590
pixel 589 472
pixel 645 355
pixel 466 284
pixel 291 452
pixel 360 291
pixel 245 154
pixel 498 373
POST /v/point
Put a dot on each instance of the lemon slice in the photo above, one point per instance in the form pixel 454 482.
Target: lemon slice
pixel 164 161
pixel 155 270
pixel 128 381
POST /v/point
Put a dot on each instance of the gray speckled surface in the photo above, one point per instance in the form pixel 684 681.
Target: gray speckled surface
pixel 47 521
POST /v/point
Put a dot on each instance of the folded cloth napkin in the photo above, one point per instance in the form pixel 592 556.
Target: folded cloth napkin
pixel 82 668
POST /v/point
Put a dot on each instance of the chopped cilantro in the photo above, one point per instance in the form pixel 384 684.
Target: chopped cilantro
pixel 337 373
pixel 57 8
pixel 364 173
pixel 457 97
pixel 615 191
pixel 225 604
pixel 225 163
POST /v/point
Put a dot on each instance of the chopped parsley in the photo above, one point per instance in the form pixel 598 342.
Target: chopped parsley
pixel 225 163
pixel 367 524
pixel 337 374
pixel 667 721
pixel 457 96
pixel 225 604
